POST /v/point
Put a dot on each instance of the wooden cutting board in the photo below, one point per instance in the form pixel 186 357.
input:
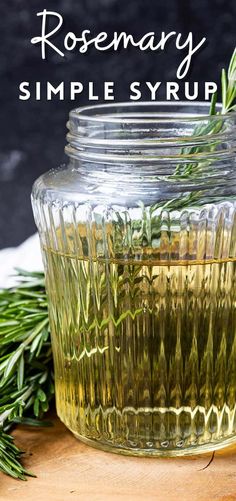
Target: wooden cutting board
pixel 67 469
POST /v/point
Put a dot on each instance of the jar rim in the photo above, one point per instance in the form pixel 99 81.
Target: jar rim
pixel 149 131
pixel 147 112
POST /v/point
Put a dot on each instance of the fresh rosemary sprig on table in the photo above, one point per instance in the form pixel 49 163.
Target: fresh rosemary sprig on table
pixel 26 370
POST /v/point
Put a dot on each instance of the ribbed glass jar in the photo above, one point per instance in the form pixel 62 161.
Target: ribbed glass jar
pixel 138 237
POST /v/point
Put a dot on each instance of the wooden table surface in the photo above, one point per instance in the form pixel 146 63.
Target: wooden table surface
pixel 67 469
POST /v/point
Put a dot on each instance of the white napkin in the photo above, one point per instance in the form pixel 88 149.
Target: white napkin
pixel 26 256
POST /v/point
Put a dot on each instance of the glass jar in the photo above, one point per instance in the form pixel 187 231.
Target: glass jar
pixel 138 237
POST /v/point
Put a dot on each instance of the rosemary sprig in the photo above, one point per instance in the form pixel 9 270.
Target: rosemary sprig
pixel 187 171
pixel 26 370
pixel 228 92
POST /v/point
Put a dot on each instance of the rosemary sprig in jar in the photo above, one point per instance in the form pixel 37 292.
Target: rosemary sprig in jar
pixel 26 367
pixel 187 171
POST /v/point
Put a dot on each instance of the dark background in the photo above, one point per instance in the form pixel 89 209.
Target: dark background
pixel 32 135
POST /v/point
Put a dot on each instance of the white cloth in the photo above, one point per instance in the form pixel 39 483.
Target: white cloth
pixel 26 256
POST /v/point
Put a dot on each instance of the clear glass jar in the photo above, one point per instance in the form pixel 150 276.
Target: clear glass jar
pixel 138 238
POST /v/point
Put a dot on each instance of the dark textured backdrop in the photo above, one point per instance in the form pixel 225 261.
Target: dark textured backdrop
pixel 33 133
